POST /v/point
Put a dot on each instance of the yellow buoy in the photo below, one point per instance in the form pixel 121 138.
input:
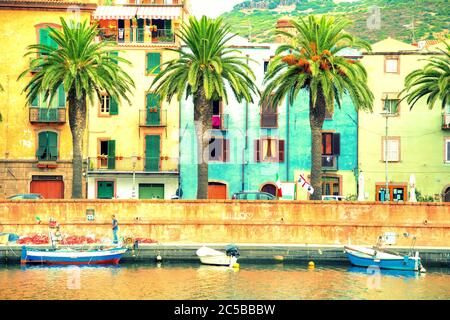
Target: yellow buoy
pixel 236 265
pixel 279 258
pixel 311 265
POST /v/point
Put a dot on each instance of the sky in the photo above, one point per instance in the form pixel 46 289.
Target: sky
pixel 212 8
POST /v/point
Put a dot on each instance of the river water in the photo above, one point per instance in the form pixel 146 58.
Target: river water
pixel 169 281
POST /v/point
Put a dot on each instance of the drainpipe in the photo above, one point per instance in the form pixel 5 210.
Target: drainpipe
pixel 179 147
pixel 244 151
pixel 287 139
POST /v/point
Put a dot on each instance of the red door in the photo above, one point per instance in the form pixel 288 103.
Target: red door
pixel 48 189
pixel 217 191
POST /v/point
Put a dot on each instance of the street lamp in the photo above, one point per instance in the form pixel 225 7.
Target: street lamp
pixel 134 162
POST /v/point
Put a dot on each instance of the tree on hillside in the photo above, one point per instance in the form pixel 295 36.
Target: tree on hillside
pixel 202 71
pixel 84 68
pixel 310 62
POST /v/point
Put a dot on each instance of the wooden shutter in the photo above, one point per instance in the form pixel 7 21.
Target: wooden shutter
pixel 327 143
pixel 257 151
pixel 153 60
pixel 336 144
pixel 35 102
pixel 43 37
pixel 61 96
pixel 153 109
pixel 113 106
pixel 152 152
pixel 226 150
pixel 111 154
pixel 42 145
pixel 52 146
pixel 280 150
pixel 113 55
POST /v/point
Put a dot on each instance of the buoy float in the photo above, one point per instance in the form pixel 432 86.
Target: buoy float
pixel 279 258
pixel 236 266
pixel 311 265
pixel 158 258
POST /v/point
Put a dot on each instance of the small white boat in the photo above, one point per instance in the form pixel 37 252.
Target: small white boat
pixel 217 258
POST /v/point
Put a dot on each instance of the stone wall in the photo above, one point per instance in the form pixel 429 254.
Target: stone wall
pixel 210 221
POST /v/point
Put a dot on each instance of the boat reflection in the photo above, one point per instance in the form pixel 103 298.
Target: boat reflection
pixel 385 272
pixel 67 267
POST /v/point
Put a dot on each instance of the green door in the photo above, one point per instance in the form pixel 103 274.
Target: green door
pixel 152 152
pixel 153 110
pixel 105 189
pixel 151 191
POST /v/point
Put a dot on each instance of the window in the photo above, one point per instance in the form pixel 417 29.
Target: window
pixel 393 149
pixel 269 150
pixel 153 109
pixel 396 192
pixel 331 149
pixel 331 186
pixel 47 146
pixel 108 106
pixel 391 64
pixel 45 39
pixel 391 103
pixel 58 101
pixel 218 119
pixel 107 154
pixel 219 149
pixel 269 116
pixel 152 152
pixel 153 62
pixel 447 150
pixel 266 66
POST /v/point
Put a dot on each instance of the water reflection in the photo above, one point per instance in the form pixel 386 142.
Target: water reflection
pixel 195 281
pixel 387 272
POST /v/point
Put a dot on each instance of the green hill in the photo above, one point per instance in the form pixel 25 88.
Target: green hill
pixel 257 19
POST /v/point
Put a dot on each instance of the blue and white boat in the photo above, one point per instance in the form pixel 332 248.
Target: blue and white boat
pixel 383 259
pixel 71 257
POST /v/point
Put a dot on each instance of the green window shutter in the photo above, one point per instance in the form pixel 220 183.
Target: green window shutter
pixel 152 152
pixel 153 109
pixel 52 146
pixel 44 38
pixel 35 102
pixel 42 145
pixel 153 60
pixel 113 107
pixel 111 154
pixel 61 96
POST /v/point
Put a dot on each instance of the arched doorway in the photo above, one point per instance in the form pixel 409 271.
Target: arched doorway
pixel 269 188
pixel 217 190
pixel 446 195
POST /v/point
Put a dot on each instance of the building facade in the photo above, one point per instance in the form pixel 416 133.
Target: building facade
pixel 253 146
pixel 412 142
pixel 133 148
pixel 35 140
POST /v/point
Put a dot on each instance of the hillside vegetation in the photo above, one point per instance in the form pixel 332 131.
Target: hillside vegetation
pixel 257 19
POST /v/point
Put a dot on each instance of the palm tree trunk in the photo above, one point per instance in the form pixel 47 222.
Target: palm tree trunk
pixel 77 122
pixel 316 119
pixel 202 119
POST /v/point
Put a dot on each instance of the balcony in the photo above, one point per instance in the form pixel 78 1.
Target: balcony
pixel 155 2
pixel 47 115
pixel 136 35
pixel 153 117
pixel 220 121
pixel 446 121
pixel 139 164
pixel 269 120
pixel 330 163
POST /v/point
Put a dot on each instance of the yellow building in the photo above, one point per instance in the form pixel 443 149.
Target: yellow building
pixel 133 148
pixel 418 140
pixel 35 142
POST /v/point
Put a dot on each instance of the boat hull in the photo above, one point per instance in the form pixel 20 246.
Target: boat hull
pixel 382 260
pixel 61 257
pixel 215 258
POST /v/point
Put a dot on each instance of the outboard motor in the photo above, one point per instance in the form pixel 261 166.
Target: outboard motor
pixel 232 250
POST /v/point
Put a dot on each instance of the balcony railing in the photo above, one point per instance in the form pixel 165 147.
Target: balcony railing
pixel 446 121
pixel 155 2
pixel 220 121
pixel 136 35
pixel 269 120
pixel 47 115
pixel 330 163
pixel 153 117
pixel 106 164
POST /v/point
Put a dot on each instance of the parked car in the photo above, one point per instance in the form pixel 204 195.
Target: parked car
pixel 333 198
pixel 253 195
pixel 26 196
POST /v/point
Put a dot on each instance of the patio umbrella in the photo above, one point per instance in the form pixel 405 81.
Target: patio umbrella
pixel 412 188
pixel 361 196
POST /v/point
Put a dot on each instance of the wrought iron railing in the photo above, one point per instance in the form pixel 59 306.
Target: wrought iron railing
pixel 129 164
pixel 269 120
pixel 52 115
pixel 136 35
pixel 153 117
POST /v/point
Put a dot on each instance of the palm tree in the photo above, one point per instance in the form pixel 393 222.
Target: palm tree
pixel 85 68
pixel 310 62
pixel 432 81
pixel 203 71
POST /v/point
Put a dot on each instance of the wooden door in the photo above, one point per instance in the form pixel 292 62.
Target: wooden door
pixel 48 189
pixel 217 191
